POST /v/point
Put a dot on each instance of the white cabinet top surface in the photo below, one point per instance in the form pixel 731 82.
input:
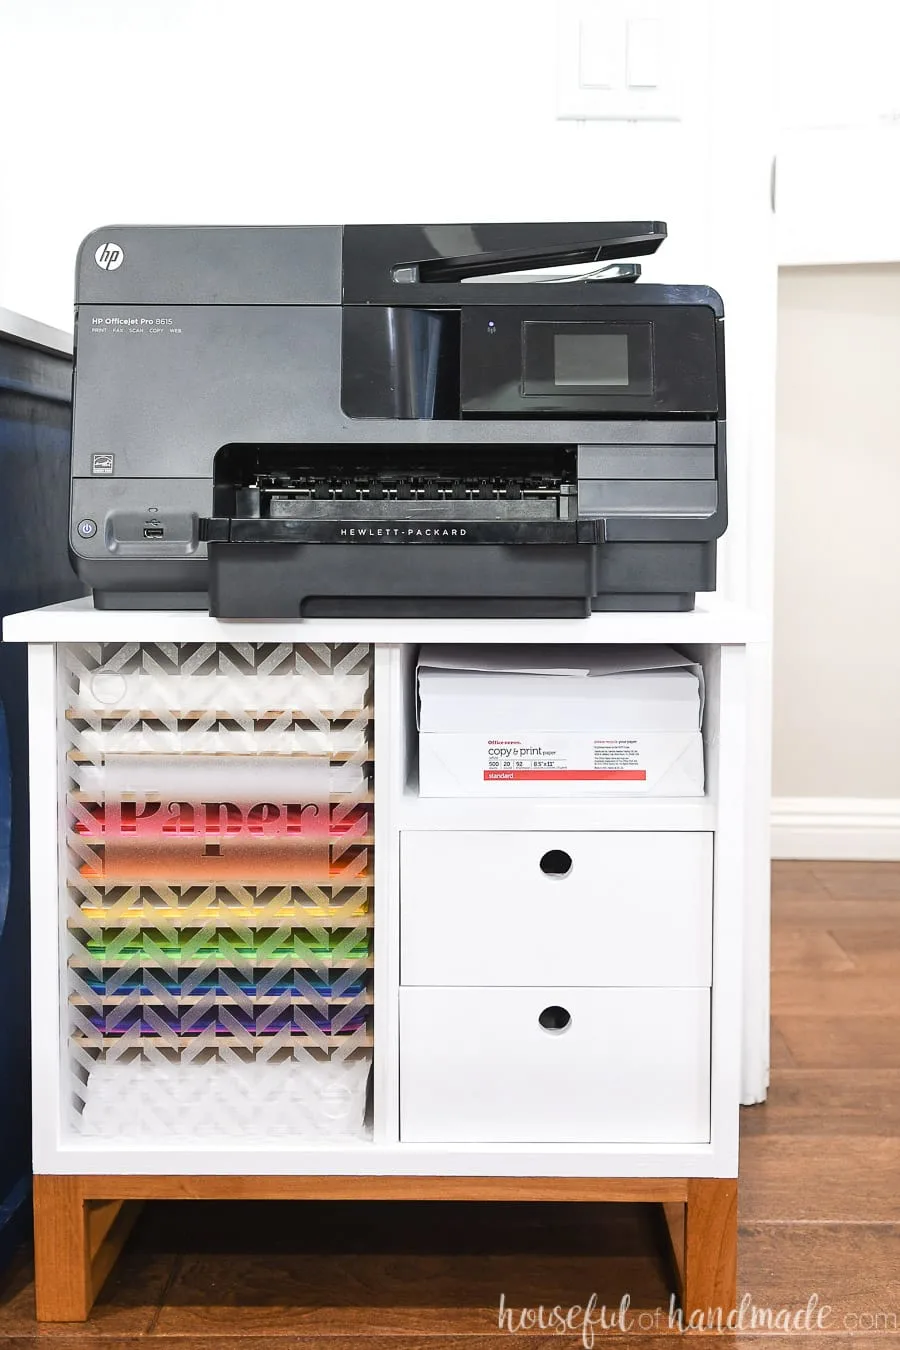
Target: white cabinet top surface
pixel 713 620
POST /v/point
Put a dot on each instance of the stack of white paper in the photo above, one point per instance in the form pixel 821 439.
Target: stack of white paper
pixel 560 721
pixel 306 1098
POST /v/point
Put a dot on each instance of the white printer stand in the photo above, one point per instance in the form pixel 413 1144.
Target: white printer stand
pixel 206 1009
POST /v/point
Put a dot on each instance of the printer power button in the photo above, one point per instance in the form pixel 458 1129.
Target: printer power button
pixel 87 528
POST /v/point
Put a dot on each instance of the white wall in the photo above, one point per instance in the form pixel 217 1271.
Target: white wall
pixel 839 141
pixel 837 735
pixel 282 111
pixel 837 597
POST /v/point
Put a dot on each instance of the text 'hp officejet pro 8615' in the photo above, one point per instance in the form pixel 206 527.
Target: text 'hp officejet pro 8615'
pixel 469 420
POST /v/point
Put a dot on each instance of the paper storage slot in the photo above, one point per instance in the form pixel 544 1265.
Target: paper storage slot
pixel 485 907
pixel 638 688
pixel 316 1098
pixel 559 722
pixel 193 689
pixel 554 1065
pixel 219 902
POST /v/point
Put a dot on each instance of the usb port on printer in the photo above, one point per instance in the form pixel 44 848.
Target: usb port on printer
pixel 153 532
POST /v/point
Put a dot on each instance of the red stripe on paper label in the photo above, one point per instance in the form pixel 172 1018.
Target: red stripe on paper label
pixel 569 775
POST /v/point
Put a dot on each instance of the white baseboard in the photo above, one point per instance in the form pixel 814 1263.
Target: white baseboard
pixel 836 828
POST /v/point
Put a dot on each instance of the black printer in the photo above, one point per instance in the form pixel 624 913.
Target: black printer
pixel 426 420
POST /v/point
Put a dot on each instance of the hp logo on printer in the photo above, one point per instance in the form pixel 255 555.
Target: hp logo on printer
pixel 109 257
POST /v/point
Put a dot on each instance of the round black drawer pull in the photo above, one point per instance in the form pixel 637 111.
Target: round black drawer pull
pixel 556 863
pixel 555 1019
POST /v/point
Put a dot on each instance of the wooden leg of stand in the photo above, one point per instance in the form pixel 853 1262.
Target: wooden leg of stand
pixel 710 1249
pixel 76 1243
pixel 108 1222
pixel 673 1215
pixel 62 1259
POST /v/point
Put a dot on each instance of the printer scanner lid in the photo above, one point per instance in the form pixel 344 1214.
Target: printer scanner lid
pixel 381 262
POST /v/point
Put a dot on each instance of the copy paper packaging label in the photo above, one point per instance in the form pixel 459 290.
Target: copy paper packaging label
pixel 560 764
pixel 573 759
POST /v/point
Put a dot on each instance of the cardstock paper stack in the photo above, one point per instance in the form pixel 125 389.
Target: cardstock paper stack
pixel 309 1098
pixel 573 721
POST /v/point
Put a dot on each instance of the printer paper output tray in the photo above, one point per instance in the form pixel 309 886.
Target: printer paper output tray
pixel 332 530
pixel 335 530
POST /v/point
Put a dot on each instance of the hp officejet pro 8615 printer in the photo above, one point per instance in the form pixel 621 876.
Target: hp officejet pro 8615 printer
pixel 394 420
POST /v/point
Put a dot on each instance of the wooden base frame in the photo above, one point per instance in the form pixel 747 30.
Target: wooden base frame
pixel 81 1222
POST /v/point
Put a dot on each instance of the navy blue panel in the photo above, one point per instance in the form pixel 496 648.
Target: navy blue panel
pixel 34 570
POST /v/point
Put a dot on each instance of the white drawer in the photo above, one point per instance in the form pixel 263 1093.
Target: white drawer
pixel 477 1066
pixel 633 909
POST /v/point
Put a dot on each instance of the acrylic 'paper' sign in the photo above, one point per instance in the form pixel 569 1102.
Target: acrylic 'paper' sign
pixel 217 817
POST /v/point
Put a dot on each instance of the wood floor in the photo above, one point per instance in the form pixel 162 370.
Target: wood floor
pixel 820 1201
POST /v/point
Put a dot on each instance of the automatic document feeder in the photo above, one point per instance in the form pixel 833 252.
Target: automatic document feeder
pixel 473 420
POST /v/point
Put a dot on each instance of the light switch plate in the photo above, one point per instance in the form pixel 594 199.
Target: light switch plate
pixel 620 60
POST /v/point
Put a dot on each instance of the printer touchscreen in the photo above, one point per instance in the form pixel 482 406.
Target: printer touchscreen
pixel 590 359
pixel 583 361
